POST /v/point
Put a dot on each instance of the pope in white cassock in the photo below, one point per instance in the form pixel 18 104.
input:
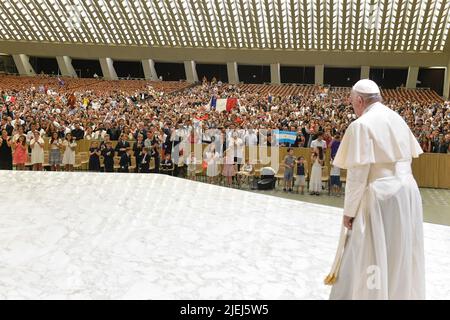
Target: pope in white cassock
pixel 380 253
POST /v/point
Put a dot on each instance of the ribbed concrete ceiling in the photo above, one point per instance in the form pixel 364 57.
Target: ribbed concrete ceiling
pixel 325 25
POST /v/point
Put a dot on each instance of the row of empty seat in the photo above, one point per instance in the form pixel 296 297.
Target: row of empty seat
pixel 399 95
pixel 281 90
pixel 411 95
pixel 19 83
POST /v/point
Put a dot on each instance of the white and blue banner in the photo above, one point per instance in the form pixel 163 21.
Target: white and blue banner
pixel 285 136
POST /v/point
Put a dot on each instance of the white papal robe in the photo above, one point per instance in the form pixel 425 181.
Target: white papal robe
pixel 383 254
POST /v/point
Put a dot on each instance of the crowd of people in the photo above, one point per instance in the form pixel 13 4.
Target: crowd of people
pixel 159 120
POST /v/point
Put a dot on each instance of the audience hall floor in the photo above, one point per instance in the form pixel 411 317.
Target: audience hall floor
pixel 125 236
pixel 436 202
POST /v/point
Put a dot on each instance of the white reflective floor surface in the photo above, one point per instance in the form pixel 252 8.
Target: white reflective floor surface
pixel 128 236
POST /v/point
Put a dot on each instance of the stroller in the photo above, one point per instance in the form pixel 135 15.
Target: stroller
pixel 267 180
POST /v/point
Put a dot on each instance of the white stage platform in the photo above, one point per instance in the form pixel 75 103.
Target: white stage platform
pixel 128 236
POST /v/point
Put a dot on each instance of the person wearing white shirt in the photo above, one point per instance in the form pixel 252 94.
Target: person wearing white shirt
pixel 37 151
pixel 17 122
pixel 30 133
pixel 69 145
pixel 212 158
pixel 380 254
pixel 319 142
pixel 206 136
pixel 251 139
pixel 237 148
pixel 191 163
pixel 335 179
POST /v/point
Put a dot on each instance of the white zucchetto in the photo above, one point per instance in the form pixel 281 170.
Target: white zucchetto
pixel 366 86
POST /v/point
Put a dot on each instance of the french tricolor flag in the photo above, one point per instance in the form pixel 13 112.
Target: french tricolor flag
pixel 225 104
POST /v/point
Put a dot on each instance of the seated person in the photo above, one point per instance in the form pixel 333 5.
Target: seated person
pixel 191 163
pixel 247 167
pixel 246 171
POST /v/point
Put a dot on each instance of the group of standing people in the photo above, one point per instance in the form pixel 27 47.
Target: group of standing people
pixel 297 166
pixel 16 151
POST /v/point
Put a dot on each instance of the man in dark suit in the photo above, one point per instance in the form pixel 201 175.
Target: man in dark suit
pixel 113 131
pixel 78 133
pixel 122 145
pixel 125 161
pixel 305 134
pixel 144 164
pixel 6 125
pixel 108 156
pixel 155 152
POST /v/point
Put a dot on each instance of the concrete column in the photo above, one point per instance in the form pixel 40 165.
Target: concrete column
pixel 318 74
pixel 149 70
pixel 65 66
pixel 275 77
pixel 233 75
pixel 23 65
pixel 109 73
pixel 411 81
pixel 365 72
pixel 446 91
pixel 191 71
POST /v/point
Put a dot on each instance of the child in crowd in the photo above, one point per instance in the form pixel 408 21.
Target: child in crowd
pixel 69 145
pixel 300 178
pixel 245 173
pixel 335 179
pixel 191 163
pixel 229 170
pixel 20 155
pixel 37 151
pixel 288 164
pixel 55 152
pixel 315 181
pixel 167 165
